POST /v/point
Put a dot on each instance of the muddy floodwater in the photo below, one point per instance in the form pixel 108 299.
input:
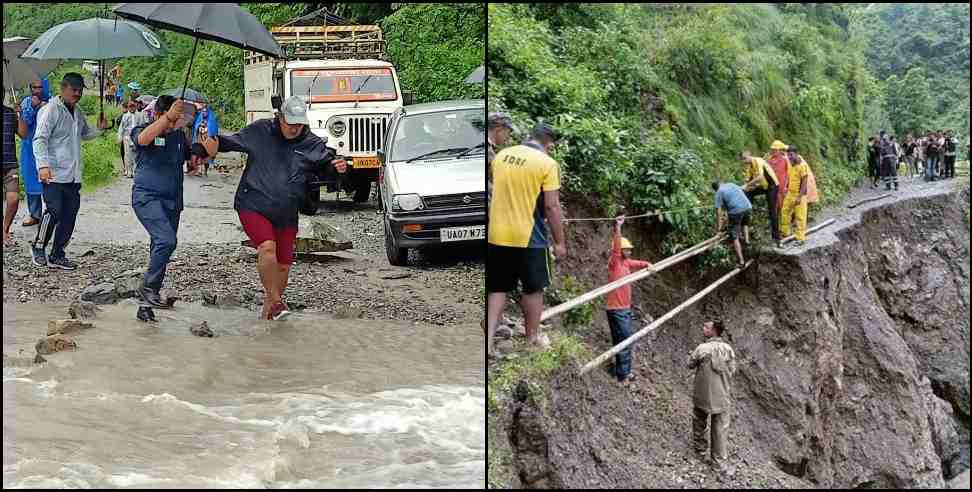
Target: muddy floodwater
pixel 311 402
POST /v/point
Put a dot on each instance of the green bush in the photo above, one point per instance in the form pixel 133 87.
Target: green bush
pixel 653 105
pixel 565 289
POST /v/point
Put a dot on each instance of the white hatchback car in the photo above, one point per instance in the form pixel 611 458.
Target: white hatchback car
pixel 433 183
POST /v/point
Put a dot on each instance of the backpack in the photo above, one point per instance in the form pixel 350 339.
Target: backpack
pixel 950 145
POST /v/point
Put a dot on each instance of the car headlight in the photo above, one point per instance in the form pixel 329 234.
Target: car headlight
pixel 407 203
pixel 337 126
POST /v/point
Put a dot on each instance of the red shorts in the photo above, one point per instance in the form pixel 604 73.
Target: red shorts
pixel 260 230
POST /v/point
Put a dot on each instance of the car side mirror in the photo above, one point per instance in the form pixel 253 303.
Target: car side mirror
pixel 408 98
pixel 276 102
pixel 381 156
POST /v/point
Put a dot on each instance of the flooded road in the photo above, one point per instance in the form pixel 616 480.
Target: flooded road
pixel 311 402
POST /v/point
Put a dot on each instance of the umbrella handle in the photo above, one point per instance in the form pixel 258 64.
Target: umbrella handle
pixel 191 59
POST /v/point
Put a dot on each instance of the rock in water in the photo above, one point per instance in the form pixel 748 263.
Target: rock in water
pixel 128 286
pixel 65 326
pixel 100 294
pixel 169 297
pixel 82 310
pixel 55 343
pixel 201 330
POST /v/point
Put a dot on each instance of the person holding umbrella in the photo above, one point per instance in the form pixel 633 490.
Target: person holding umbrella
pixel 61 125
pixel 280 152
pixel 160 150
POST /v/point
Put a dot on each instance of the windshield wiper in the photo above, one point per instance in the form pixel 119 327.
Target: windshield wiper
pixel 357 99
pixel 471 149
pixel 441 151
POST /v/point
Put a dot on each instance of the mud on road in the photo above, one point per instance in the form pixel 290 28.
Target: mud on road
pixel 442 286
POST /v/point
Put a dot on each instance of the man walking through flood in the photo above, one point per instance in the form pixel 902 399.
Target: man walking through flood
pixel 714 363
pixel 280 152
pixel 619 300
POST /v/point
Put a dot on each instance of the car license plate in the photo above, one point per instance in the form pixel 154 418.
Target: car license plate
pixel 472 233
pixel 364 162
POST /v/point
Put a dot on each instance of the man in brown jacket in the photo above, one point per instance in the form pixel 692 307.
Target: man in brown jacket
pixel 714 363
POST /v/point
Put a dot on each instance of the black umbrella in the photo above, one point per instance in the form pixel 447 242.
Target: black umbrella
pixel 225 23
pixel 187 94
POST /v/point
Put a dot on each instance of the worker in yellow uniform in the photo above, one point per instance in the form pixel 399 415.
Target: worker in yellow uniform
pixel 795 203
pixel 762 180
pixel 526 199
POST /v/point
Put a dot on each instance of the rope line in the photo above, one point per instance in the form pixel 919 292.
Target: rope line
pixel 656 213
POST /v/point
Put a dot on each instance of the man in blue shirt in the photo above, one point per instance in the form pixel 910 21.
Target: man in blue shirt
pixel 161 149
pixel 29 107
pixel 732 199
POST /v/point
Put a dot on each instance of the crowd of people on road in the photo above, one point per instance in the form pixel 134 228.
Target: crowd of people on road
pixel 931 157
pixel 160 141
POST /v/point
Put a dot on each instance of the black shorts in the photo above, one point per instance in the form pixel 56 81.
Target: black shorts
pixel 505 267
pixel 737 222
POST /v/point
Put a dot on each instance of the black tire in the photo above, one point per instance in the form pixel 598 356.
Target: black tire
pixel 362 191
pixel 396 256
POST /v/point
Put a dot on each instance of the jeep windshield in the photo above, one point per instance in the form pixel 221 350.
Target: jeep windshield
pixel 344 85
pixel 443 134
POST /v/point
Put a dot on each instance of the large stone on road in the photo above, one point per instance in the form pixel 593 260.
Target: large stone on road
pixel 128 283
pixel 65 326
pixel 316 235
pixel 100 294
pixel 82 310
pixel 55 343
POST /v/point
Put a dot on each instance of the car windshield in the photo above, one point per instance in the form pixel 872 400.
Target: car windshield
pixel 344 85
pixel 450 132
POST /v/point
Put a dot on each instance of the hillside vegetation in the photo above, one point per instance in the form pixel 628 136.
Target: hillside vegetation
pixel 921 51
pixel 656 102
pixel 434 47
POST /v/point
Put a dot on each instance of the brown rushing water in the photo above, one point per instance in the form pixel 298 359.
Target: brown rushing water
pixel 310 402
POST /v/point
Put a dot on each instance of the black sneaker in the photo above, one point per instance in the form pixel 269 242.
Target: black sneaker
pixel 145 314
pixel 39 256
pixel 152 298
pixel 62 263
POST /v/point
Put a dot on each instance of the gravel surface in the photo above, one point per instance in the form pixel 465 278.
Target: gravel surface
pixel 442 286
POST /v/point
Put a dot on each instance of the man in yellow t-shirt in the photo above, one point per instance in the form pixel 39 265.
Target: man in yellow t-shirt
pixel 526 184
pixel 796 198
pixel 762 180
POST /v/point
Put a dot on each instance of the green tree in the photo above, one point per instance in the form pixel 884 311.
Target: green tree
pixel 908 102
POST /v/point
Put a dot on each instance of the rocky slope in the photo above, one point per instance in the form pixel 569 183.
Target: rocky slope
pixel 854 367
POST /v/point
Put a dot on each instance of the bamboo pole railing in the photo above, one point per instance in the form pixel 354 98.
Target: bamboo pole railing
pixel 660 321
pixel 810 230
pixel 634 277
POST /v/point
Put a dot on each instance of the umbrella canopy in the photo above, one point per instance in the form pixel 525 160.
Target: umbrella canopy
pixel 95 39
pixel 190 95
pixel 19 72
pixel 224 23
pixel 477 76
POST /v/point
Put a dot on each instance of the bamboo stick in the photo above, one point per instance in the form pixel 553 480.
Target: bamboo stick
pixel 868 200
pixel 810 230
pixel 660 321
pixel 634 277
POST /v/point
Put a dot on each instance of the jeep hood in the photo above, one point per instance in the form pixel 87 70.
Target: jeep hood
pixel 439 177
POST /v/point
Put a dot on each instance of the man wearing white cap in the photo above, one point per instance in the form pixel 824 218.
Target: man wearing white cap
pixel 280 153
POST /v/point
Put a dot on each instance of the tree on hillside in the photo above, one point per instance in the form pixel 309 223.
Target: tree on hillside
pixel 908 102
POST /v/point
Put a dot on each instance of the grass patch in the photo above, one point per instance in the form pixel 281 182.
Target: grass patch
pixel 497 469
pixel 533 368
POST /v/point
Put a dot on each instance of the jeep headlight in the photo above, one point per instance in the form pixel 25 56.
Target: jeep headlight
pixel 336 126
pixel 407 203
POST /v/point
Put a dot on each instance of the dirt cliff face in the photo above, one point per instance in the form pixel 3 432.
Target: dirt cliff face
pixel 853 368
